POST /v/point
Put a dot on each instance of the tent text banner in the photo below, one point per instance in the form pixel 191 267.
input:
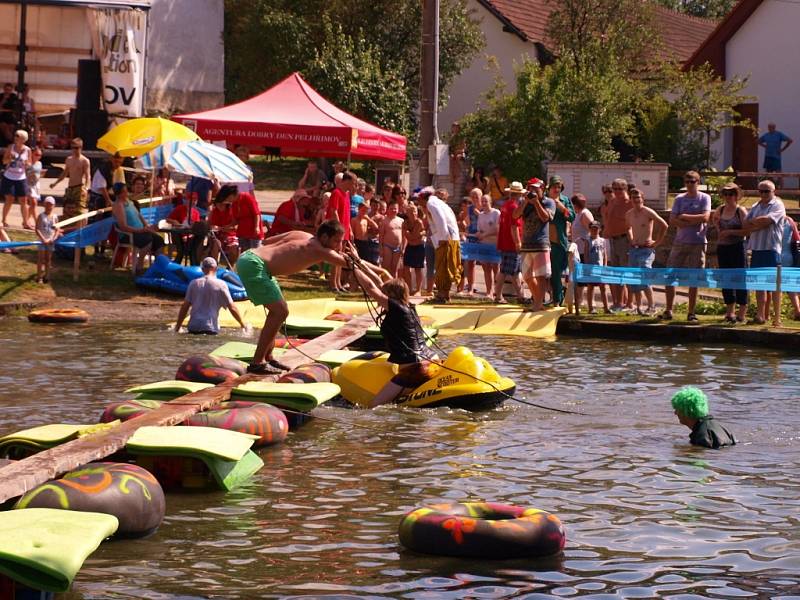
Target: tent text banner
pixel 118 40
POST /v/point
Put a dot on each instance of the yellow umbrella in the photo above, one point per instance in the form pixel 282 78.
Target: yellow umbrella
pixel 138 136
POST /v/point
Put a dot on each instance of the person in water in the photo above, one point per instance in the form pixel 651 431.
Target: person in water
pixel 691 408
pixel 402 331
pixel 283 254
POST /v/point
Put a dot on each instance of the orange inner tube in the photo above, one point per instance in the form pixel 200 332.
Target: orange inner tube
pixel 59 315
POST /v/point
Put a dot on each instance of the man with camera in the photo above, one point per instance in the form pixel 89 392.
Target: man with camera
pixel 537 211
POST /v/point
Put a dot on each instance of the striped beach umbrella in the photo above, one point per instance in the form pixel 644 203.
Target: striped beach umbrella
pixel 157 157
pixel 201 159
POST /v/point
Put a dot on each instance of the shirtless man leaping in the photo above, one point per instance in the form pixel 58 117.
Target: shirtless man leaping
pixel 391 238
pixel 283 254
pixel 76 197
pixel 646 230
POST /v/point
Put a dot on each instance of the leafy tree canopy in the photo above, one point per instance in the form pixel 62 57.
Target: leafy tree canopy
pixel 362 54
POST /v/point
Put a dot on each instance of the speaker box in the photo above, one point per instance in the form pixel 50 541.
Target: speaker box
pixel 89 84
pixel 89 125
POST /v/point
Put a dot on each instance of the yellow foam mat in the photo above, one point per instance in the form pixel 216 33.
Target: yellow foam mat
pixel 48 435
pixel 449 319
pixel 185 387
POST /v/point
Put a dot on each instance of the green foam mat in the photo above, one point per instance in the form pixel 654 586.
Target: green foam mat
pixel 169 387
pixel 226 453
pixel 302 397
pixel 244 351
pixel 191 441
pixel 44 548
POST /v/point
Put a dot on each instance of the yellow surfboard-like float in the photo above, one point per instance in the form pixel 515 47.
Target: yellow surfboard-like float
pixel 307 318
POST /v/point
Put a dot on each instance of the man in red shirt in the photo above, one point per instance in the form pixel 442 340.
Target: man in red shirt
pixel 339 204
pixel 339 210
pixel 290 215
pixel 509 242
pixel 247 214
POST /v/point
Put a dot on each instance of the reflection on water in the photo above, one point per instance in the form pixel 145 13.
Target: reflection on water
pixel 646 514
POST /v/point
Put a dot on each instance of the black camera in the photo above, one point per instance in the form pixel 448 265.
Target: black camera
pixel 531 195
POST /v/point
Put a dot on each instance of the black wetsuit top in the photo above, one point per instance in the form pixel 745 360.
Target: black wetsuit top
pixel 711 434
pixel 404 337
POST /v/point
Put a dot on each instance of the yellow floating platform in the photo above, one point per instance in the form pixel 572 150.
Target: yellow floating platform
pixel 449 319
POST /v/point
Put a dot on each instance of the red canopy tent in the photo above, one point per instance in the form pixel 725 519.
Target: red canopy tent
pixel 294 120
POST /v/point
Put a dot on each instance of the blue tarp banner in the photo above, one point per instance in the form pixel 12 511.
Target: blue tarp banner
pixel 731 279
pixel 96 232
pixel 480 252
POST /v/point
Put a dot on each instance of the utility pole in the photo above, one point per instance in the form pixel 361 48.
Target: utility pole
pixel 429 93
pixel 21 62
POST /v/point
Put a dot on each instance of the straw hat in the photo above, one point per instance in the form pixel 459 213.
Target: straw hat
pixel 515 188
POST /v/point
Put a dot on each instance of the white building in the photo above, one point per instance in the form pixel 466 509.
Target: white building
pixel 517 29
pixel 759 40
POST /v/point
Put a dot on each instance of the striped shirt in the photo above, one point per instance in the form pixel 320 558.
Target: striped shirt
pixel 771 237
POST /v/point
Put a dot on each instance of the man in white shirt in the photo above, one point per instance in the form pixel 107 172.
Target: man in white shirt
pixel 446 242
pixel 206 295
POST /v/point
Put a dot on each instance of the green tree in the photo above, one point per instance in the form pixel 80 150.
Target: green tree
pixel 558 112
pixel 266 40
pixel 353 74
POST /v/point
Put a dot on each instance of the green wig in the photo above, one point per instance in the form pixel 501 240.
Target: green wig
pixel 691 402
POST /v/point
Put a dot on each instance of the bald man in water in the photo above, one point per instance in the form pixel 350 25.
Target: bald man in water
pixel 283 254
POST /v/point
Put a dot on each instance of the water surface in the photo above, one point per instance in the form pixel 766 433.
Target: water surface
pixel 647 515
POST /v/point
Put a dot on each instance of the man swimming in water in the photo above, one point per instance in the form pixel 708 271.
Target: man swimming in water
pixel 691 408
pixel 283 254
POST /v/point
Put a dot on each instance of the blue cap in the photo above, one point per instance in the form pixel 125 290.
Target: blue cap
pixel 118 187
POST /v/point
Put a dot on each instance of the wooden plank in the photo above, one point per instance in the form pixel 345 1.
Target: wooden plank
pixel 48 49
pixel 40 68
pixel 23 475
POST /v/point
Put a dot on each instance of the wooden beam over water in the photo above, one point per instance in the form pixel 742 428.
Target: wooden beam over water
pixel 20 476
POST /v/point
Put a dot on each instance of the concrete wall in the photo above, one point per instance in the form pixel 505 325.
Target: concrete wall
pixel 468 89
pixel 185 51
pixel 766 48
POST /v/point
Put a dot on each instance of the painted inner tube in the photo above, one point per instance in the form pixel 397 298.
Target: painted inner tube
pixel 264 420
pixel 482 530
pixel 256 418
pixel 58 315
pixel 210 369
pixel 309 373
pixel 126 491
pixel 128 409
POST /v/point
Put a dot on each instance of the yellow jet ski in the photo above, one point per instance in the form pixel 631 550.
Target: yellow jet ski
pixel 462 381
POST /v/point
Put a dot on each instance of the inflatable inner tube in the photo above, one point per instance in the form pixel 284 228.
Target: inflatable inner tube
pixel 482 530
pixel 308 373
pixel 264 420
pixel 207 368
pixel 58 315
pixel 126 491
pixel 128 409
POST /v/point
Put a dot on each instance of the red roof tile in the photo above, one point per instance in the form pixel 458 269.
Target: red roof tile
pixel 681 34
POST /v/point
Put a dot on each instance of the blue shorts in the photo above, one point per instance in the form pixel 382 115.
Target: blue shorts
pixel 772 164
pixel 761 259
pixel 430 259
pixel 510 263
pixel 13 187
pixel 642 258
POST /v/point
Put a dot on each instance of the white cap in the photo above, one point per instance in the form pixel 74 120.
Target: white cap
pixel 50 200
pixel 208 263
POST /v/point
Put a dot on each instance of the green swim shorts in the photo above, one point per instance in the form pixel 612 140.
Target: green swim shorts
pixel 261 286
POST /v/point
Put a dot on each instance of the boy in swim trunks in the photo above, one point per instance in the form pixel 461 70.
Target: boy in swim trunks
pixel 391 238
pixel 283 254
